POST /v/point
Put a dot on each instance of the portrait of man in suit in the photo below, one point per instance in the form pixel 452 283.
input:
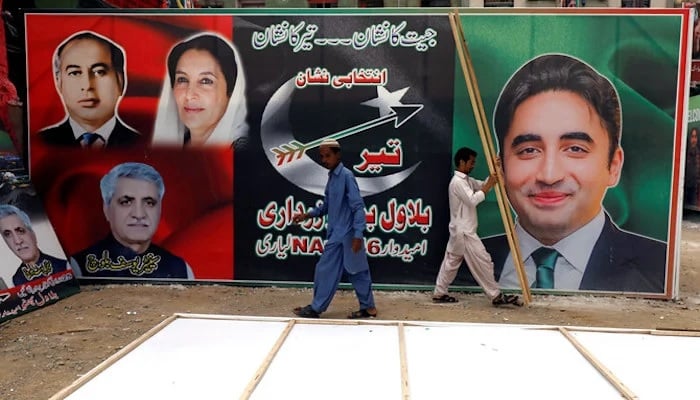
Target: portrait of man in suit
pixel 132 195
pixel 20 238
pixel 89 72
pixel 558 124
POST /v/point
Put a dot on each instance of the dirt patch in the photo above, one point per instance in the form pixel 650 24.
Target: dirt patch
pixel 45 351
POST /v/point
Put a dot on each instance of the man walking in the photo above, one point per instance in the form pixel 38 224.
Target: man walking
pixel 465 193
pixel 344 249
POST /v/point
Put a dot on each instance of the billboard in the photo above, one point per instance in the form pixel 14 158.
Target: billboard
pixel 229 109
pixel 34 271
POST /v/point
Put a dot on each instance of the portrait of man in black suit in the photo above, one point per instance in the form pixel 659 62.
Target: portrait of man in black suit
pixel 20 238
pixel 558 124
pixel 89 72
pixel 132 195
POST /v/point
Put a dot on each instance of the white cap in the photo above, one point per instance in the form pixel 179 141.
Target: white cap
pixel 330 143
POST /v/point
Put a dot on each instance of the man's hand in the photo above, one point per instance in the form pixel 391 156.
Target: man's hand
pixel 356 244
pixel 493 178
pixel 490 182
pixel 300 217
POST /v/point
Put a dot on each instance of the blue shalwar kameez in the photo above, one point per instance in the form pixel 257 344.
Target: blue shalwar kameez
pixel 346 221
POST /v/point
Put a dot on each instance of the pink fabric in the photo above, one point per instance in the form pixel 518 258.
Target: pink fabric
pixel 8 92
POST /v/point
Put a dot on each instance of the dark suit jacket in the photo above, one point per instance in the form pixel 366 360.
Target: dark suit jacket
pixel 62 135
pixel 620 261
pixel 109 258
pixel 45 266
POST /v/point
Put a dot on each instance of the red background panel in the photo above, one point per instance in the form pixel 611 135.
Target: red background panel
pixel 197 218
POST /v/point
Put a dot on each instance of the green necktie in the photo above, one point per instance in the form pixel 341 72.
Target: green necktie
pixel 545 259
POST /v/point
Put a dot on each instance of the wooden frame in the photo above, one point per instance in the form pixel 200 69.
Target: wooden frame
pixel 490 149
pixel 403 349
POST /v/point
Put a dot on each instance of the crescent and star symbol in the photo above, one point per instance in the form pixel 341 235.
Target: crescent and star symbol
pixel 288 155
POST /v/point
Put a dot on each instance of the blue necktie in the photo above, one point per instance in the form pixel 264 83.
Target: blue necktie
pixel 545 259
pixel 89 139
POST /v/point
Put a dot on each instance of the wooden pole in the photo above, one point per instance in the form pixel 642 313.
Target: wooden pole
pixel 607 374
pixel 268 360
pixel 64 393
pixel 487 143
pixel 405 388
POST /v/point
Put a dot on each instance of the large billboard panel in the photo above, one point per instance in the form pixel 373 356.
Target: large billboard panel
pixel 230 109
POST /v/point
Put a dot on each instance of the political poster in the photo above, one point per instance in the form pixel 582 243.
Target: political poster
pixel 229 109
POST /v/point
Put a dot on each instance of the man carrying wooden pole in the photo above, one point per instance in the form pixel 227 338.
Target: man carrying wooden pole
pixel 490 149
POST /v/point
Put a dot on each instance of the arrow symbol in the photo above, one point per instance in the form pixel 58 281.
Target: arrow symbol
pixel 293 150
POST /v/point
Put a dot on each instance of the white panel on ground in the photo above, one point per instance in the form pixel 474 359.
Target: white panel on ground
pixel 651 366
pixel 189 359
pixel 335 362
pixel 219 357
pixel 499 362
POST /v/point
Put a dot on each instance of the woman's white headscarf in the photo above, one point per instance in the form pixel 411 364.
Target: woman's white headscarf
pixel 170 131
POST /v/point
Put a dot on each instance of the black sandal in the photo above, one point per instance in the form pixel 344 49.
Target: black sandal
pixel 503 299
pixel 306 312
pixel 445 299
pixel 363 313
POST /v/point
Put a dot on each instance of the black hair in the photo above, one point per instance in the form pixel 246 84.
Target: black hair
pixel 214 45
pixel 116 54
pixel 464 154
pixel 553 72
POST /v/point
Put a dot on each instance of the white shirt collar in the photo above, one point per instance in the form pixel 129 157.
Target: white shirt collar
pixel 576 248
pixel 104 131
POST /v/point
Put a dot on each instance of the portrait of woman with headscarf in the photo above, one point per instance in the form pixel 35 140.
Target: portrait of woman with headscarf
pixel 202 102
